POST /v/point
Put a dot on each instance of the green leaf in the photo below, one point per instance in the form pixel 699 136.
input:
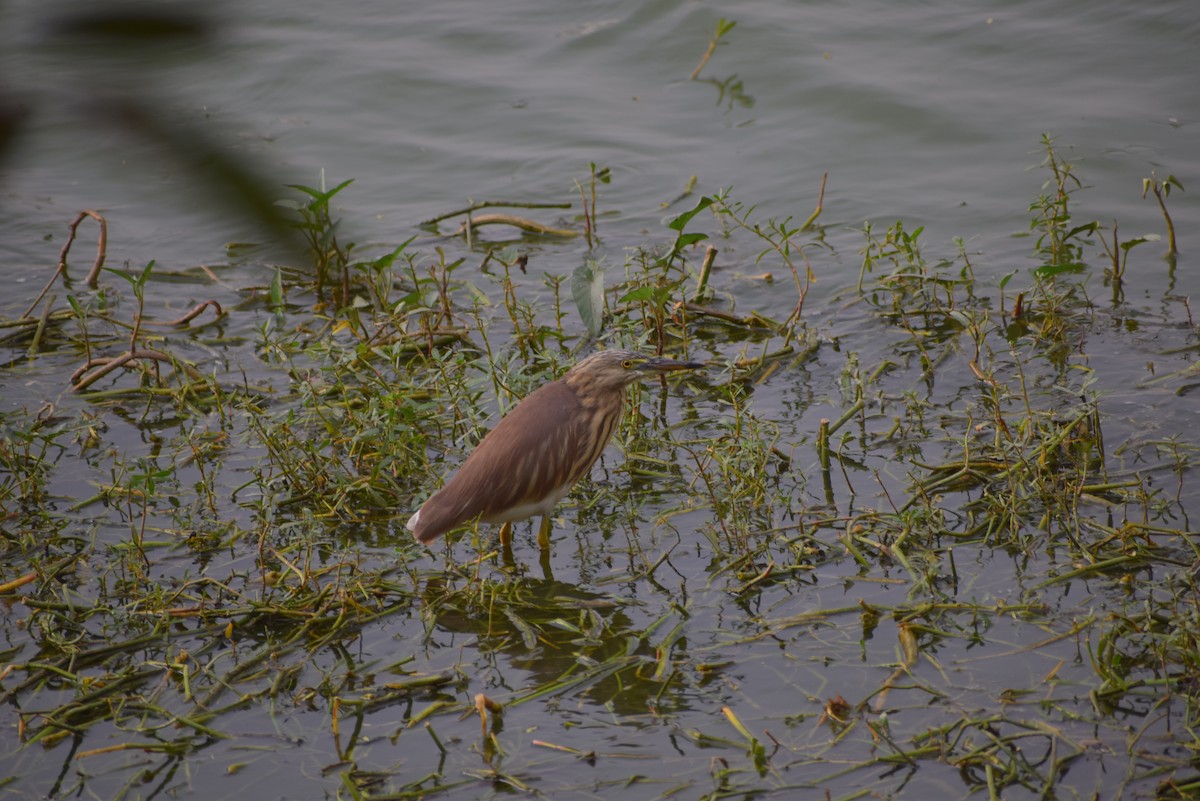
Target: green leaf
pixel 321 195
pixel 962 318
pixel 1129 243
pixel 639 294
pixel 128 276
pixel 1088 228
pixel 146 273
pixel 679 222
pixel 587 288
pixel 477 295
pixel 277 290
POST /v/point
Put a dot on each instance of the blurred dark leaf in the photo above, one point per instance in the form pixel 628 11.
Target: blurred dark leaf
pixel 12 117
pixel 231 177
pixel 149 23
pixel 115 90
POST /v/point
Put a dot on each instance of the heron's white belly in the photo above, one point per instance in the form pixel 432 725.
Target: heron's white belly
pixel 542 508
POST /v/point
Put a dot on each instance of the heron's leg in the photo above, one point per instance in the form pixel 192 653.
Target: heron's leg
pixel 506 557
pixel 506 534
pixel 544 533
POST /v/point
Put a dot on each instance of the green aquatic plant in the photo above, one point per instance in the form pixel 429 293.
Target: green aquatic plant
pixel 916 525
pixel 1161 187
pixel 330 258
pixel 724 26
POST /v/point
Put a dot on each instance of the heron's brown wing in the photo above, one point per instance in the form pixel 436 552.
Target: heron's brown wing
pixel 521 461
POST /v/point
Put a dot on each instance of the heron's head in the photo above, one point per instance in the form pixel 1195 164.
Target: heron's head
pixel 613 370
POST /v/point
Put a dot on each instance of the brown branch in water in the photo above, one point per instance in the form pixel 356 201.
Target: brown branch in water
pixel 485 204
pixel 45 289
pixel 192 315
pixel 750 321
pixel 18 582
pixel 758 361
pixel 723 27
pixel 517 222
pixel 1157 186
pixel 93 276
pixel 101 250
pixel 712 46
pixel 820 205
pixel 703 59
pixel 81 379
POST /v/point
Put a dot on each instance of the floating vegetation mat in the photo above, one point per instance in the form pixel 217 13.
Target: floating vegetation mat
pixel 920 533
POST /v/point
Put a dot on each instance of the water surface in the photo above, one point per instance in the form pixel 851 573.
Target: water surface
pixel 931 114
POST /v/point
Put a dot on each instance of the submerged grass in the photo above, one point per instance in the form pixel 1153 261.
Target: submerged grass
pixel 915 549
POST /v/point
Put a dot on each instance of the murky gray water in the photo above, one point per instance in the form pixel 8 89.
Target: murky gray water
pixel 923 114
pixel 931 114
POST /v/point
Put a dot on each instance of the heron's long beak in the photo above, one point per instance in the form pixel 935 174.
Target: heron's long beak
pixel 656 365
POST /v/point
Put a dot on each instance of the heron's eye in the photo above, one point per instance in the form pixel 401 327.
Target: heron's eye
pixel 627 364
